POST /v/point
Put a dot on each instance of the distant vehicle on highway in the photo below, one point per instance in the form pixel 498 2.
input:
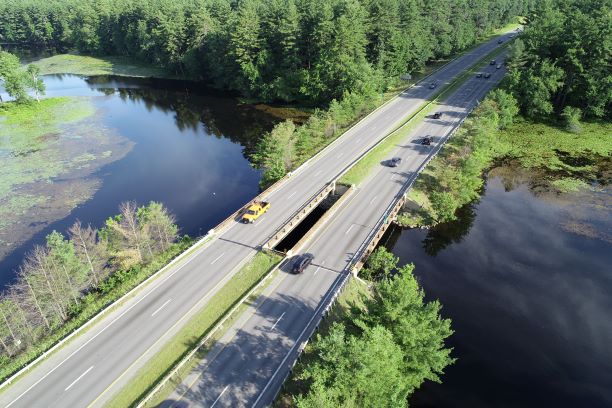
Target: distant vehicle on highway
pixel 500 41
pixel 301 263
pixel 437 115
pixel 432 85
pixel 493 62
pixel 511 35
pixel 487 75
pixel 498 66
pixel 254 211
pixel 479 75
pixel 426 141
pixel 394 162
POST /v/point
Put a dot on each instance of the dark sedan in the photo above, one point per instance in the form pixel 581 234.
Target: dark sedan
pixel 301 263
pixel 394 162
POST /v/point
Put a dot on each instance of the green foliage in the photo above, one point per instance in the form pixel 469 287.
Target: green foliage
pixel 356 371
pixel 381 352
pixel 571 118
pixel 380 264
pixel 306 51
pixel 16 81
pixel 507 107
pixel 64 283
pixel 275 152
pixel 564 58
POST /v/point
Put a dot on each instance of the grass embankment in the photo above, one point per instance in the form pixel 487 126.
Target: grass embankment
pixel 88 65
pixel 350 303
pixel 118 285
pixel 195 329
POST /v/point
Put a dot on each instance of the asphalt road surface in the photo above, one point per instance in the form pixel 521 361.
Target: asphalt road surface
pixel 91 368
pixel 250 369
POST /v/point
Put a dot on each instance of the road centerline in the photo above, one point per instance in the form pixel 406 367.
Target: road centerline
pixel 291 195
pixel 219 397
pixel 78 378
pixel 278 320
pixel 349 229
pixel 161 307
pixel 217 258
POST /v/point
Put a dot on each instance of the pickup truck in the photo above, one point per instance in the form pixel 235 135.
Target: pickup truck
pixel 254 211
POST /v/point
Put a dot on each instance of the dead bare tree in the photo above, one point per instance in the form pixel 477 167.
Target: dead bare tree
pixel 89 249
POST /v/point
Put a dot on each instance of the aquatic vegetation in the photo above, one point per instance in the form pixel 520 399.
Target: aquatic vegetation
pixel 48 151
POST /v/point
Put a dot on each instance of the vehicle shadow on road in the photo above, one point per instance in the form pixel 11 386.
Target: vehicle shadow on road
pixel 241 370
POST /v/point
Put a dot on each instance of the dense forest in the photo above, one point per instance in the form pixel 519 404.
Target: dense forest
pixel 310 51
pixel 560 65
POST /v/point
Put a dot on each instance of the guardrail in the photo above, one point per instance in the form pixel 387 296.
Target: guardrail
pixel 368 245
pixel 299 214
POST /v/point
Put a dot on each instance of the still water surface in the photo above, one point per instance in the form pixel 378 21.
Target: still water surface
pixel 527 282
pixel 188 152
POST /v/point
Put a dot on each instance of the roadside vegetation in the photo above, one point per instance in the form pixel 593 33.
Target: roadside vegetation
pixel 196 329
pixel 550 114
pixel 65 282
pixel 381 341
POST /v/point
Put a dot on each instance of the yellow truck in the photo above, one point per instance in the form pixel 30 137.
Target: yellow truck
pixel 254 211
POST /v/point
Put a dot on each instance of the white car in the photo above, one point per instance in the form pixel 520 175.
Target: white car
pixel 498 66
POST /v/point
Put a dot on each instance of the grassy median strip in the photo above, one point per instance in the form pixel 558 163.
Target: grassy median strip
pixel 364 166
pixel 195 329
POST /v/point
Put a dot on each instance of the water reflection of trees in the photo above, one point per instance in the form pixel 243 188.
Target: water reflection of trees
pixel 452 232
pixel 192 107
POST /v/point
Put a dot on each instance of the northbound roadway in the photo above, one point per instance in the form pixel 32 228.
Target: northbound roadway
pixel 91 368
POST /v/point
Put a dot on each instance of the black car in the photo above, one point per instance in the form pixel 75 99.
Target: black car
pixel 301 263
pixel 500 41
pixel 394 162
pixel 426 141
pixel 432 85
pixel 487 75
pixel 493 62
pixel 437 115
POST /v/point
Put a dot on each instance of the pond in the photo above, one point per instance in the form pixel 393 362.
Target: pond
pixel 169 141
pixel 525 275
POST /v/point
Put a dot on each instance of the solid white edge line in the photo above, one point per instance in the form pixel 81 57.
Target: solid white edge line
pixel 161 307
pixel 99 333
pixel 79 377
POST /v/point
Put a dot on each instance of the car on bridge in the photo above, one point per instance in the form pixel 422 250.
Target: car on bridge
pixel 437 115
pixel 254 211
pixel 301 263
pixel 394 162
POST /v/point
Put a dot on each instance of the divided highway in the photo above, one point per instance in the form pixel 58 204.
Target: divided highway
pixel 251 367
pixel 91 368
